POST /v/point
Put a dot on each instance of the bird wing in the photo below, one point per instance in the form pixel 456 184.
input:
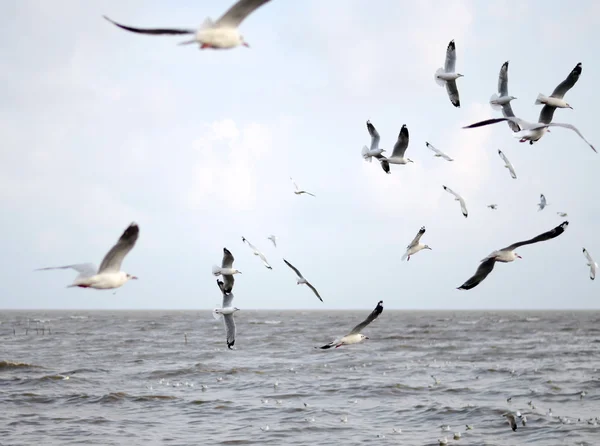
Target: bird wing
pixel 113 259
pixel 508 164
pixel 274 240
pixel 264 260
pixel 238 12
pixel 314 290
pixel 308 193
pixel 560 91
pixel 298 273
pixel 417 237
pixel 463 205
pixel 447 189
pixel 452 90
pixel 374 315
pixel 542 200
pixel 572 127
pixel 401 143
pixel 540 238
pixel 591 264
pixel 227 259
pixel 503 80
pixel 507 112
pixel 84 269
pixel 252 247
pixel 155 31
pixel 439 152
pixel 228 281
pixel 450 58
pixel 484 269
pixel 229 329
pixel 227 295
pixel 374 135
pixel 385 165
pixel 294 183
pixel 518 121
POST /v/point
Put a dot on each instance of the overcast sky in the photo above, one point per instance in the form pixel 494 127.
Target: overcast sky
pixel 101 127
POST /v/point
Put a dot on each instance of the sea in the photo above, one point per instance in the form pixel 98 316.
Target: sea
pixel 167 378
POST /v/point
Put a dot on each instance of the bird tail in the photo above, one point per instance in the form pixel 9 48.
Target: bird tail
pixel 216 314
pixel 216 270
pixel 440 82
pixel 365 151
pixel 495 106
pixel 541 99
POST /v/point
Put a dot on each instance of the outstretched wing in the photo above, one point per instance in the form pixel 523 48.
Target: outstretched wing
pixel 553 233
pixel 385 165
pixel 227 295
pixel 401 143
pixel 450 64
pixel 264 260
pixel 314 290
pixel 298 273
pixel 84 269
pixel 417 237
pixel 560 91
pixel 252 247
pixel 228 281
pixel 374 135
pixel 572 127
pixel 438 152
pixel 227 259
pixel 591 264
pixel 495 121
pixel 484 269
pixel 503 80
pixel 229 329
pixel 508 164
pixel 374 315
pixel 452 90
pixel 155 31
pixel 113 259
pixel 238 12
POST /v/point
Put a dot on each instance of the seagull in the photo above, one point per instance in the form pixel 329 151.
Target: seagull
pixel 273 238
pixel 374 151
pixel 443 441
pixel 435 380
pixel 556 98
pixel 542 204
pixel 507 254
pixel 493 206
pixel 227 311
pixel 257 253
pixel 398 152
pixel 502 99
pixel 593 265
pixel 508 164
pixel 562 214
pixel 448 76
pixel 300 192
pixel 109 275
pixel 302 280
pixel 469 427
pixel 457 435
pixel 529 131
pixel 222 34
pixel 511 420
pixel 415 246
pixel 463 206
pixel 226 270
pixel 438 153
pixel 355 336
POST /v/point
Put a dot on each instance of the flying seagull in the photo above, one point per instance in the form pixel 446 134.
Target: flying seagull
pixel 493 206
pixel 507 254
pixel 398 152
pixel 302 280
pixel 562 214
pixel 226 270
pixel 502 99
pixel 508 164
pixel 542 204
pixel 355 336
pixel 222 34
pixel 448 76
pixel 415 246
pixel 300 192
pixel 593 265
pixel 273 238
pixel 511 420
pixel 556 98
pixel 463 206
pixel 256 252
pixel 226 311
pixel 438 153
pixel 374 150
pixel 109 275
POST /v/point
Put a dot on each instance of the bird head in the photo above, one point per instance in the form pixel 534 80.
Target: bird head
pixel 512 97
pixel 460 75
pixel 518 256
pixel 568 106
pixel 409 160
pixel 427 247
pixel 236 309
pixel 362 336
pixel 237 271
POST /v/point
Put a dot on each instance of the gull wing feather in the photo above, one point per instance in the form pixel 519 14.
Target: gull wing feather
pixel 562 88
pixel 264 260
pixel 385 165
pixel 113 259
pixel 227 259
pixel 572 127
pixel 401 143
pixel 503 80
pixel 417 237
pixel 298 273
pixel 84 269
pixel 450 64
pixel 374 136
pixel 484 269
pixel 155 31
pixel 452 90
pixel 229 322
pixel 227 295
pixel 509 165
pixel 308 284
pixel 591 264
pixel 238 12
pixel 374 315
pixel 463 205
pixel 437 151
pixel 549 235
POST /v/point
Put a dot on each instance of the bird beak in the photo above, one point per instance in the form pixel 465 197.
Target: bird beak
pixel 239 272
pixel 134 278
pixel 366 337
pixel 518 256
pixel 570 107
pixel 246 44
pixel 429 248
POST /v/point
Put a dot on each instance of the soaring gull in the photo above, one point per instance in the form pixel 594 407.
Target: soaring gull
pixel 256 252
pixel 542 204
pixel 355 336
pixel 226 311
pixel 273 238
pixel 438 153
pixel 562 214
pixel 374 150
pixel 448 76
pixel 300 192
pixel 502 99
pixel 415 246
pixel 593 265
pixel 510 417
pixel 222 34
pixel 398 152
pixel 507 254
pixel 109 275
pixel 226 270
pixel 493 207
pixel 507 164
pixel 301 280
pixel 463 206
pixel 555 100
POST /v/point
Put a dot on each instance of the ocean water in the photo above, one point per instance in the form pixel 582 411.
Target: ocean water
pixel 129 378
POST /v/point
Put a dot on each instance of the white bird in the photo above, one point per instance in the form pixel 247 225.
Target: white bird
pixel 300 192
pixel 222 34
pixel 226 270
pixel 493 206
pixel 506 255
pixel 374 150
pixel 355 336
pixel 415 246
pixel 562 214
pixel 502 99
pixel 226 311
pixel 398 152
pixel 447 75
pixel 256 252
pixel 463 206
pixel 508 164
pixel 593 266
pixel 301 280
pixel 469 427
pixel 510 417
pixel 555 100
pixel 443 441
pixel 109 275
pixel 542 204
pixel 273 238
pixel 435 380
pixel 457 435
pixel 438 153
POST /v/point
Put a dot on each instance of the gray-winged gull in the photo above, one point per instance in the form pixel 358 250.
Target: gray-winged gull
pixel 226 270
pixel 463 205
pixel 256 252
pixel 555 100
pixel 507 164
pixel 226 311
pixel 447 75
pixel 593 265
pixel 301 280
pixel 415 246
pixel 355 336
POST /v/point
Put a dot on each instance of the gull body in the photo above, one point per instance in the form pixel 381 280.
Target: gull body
pixel 493 206
pixel 374 151
pixel 593 266
pixel 416 245
pixel 447 76
pixel 226 270
pixel 502 99
pixel 463 205
pixel 542 204
pixel 398 152
pixel 355 336
pixel 555 100
pixel 562 214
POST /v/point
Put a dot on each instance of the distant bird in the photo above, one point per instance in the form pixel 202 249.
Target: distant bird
pixel 374 150
pixel 273 238
pixel 355 336
pixel 222 34
pixel 398 152
pixel 508 164
pixel 555 100
pixel 435 380
pixel 509 399
pixel 507 254
pixel 256 252
pixel 542 204
pixel 226 270
pixel 448 76
pixel 301 280
pixel 415 246
pixel 511 420
pixel 469 427
pixel 562 214
pixel 226 311
pixel 457 435
pixel 463 205
pixel 524 420
pixel 438 153
pixel 300 192
pixel 443 441
pixel 493 206
pixel 109 275
pixel 502 99
pixel 593 265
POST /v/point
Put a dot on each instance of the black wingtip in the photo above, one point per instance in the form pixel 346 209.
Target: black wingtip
pixel 230 344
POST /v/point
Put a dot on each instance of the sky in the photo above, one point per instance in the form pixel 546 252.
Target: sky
pixel 101 127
